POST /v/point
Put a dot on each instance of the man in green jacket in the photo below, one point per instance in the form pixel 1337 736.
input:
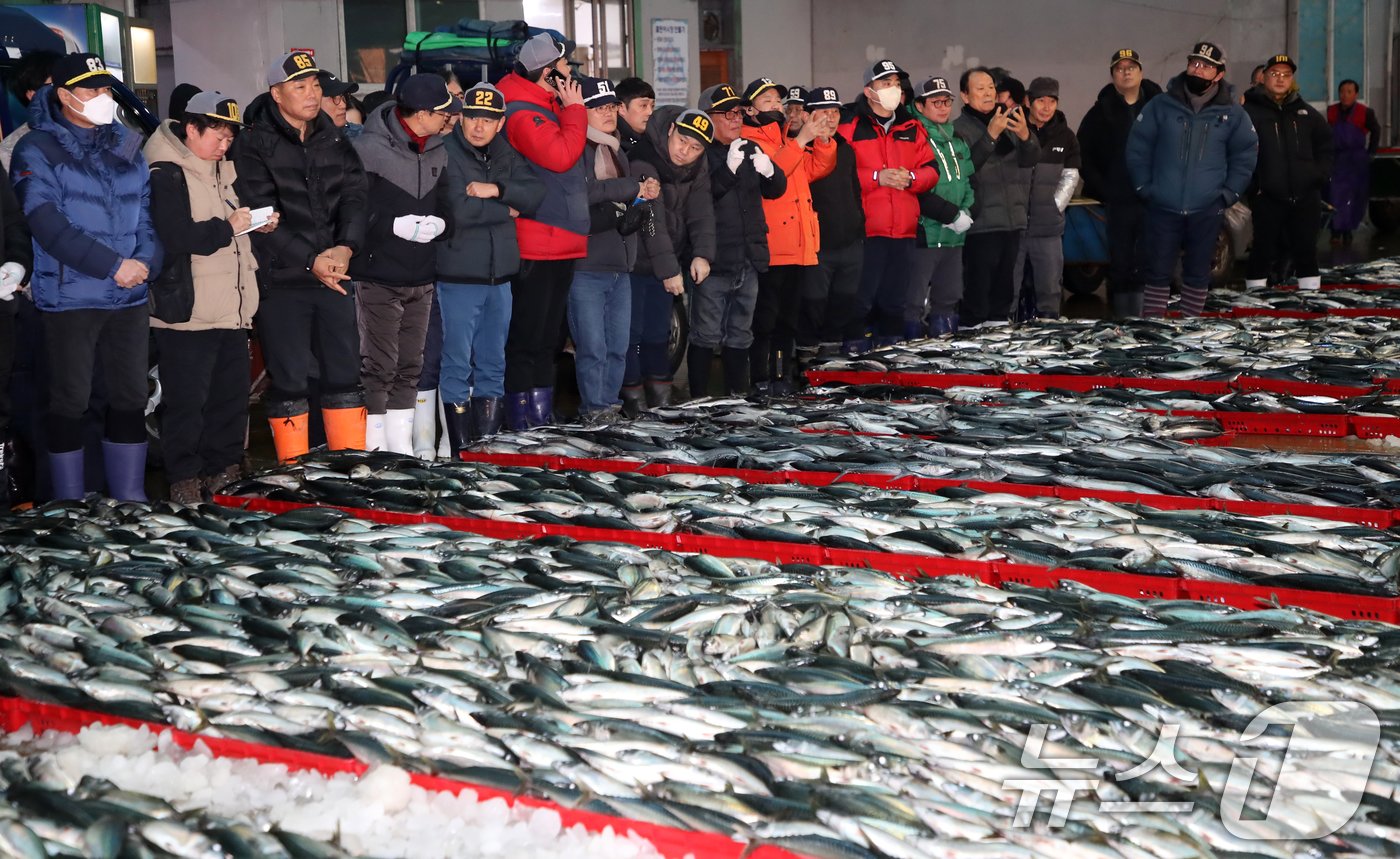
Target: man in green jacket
pixel 936 275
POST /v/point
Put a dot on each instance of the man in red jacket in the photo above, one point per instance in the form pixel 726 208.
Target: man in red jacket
pixel 546 123
pixel 895 165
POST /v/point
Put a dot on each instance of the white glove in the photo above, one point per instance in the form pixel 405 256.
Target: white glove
pixel 430 227
pixel 735 159
pixel 962 223
pixel 762 163
pixel 11 274
pixel 1064 190
pixel 418 228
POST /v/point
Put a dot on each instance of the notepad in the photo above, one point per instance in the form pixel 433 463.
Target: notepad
pixel 260 219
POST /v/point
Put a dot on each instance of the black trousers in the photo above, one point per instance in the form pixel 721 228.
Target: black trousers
pixel 884 284
pixel 539 297
pixel 989 264
pixel 1279 226
pixel 288 321
pixel 7 360
pixel 1127 252
pixel 204 379
pixel 831 295
pixel 77 341
pixel 775 316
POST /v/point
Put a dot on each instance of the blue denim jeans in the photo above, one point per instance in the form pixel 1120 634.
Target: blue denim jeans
pixel 475 319
pixel 647 356
pixel 600 320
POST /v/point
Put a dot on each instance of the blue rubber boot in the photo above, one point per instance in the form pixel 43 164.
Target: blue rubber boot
pixel 66 474
pixel 518 411
pixel 126 470
pixel 541 407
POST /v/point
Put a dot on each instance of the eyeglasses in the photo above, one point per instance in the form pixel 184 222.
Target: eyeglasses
pixel 1280 74
pixel 941 102
pixel 338 100
pixel 734 114
pixel 607 108
pixel 1197 65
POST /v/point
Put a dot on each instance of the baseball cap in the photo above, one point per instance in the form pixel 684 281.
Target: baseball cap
pixel 540 51
pixel 1125 54
pixel 1043 87
pixel 820 97
pixel 214 105
pixel 758 87
pixel 1014 87
pixel 332 86
pixel 1209 52
pixel 933 87
pixel 795 95
pixel 483 100
pixel 696 124
pixel 720 97
pixel 884 69
pixel 1281 60
pixel 427 91
pixel 84 70
pixel 290 66
pixel 598 92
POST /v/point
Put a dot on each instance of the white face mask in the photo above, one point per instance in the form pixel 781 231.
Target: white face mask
pixel 890 97
pixel 101 109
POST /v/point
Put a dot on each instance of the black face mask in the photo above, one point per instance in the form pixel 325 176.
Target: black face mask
pixel 766 117
pixel 1198 86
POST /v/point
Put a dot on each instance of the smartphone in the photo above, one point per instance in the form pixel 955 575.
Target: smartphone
pixel 555 77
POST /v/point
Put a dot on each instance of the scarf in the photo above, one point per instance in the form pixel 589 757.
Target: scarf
pixel 606 164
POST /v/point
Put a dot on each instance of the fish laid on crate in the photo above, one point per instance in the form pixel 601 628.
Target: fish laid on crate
pixel 834 712
pixel 958 523
pixel 1224 300
pixel 1329 350
pixel 1385 270
pixel 1018 446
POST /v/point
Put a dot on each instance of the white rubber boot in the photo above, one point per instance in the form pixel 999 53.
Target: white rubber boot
pixel 374 432
pixel 443 451
pixel 398 431
pixel 1261 283
pixel 1314 282
pixel 425 424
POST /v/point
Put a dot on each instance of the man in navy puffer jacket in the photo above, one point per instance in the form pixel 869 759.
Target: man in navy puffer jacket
pixel 85 190
pixel 1191 154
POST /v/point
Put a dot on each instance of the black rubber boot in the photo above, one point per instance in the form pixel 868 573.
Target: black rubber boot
pixel 697 362
pixel 461 427
pixel 658 392
pixel 488 413
pixel 736 371
pixel 631 401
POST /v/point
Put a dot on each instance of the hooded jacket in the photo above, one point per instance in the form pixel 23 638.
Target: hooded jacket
pixel 402 181
pixel 793 235
pixel 1295 146
pixel 889 212
pixel 317 184
pixel 15 241
pixel 1059 151
pixel 86 194
pixel 550 137
pixel 684 223
pixel 190 212
pixel 955 171
pixel 1002 183
pixel 481 244
pixel 1103 143
pixel 1187 161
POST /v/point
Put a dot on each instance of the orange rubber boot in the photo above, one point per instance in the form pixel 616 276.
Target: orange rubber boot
pixel 290 431
pixel 345 428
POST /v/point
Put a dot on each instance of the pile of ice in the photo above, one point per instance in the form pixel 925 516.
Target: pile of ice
pixel 378 814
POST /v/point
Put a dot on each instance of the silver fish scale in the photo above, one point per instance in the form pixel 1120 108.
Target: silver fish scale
pixel 896 709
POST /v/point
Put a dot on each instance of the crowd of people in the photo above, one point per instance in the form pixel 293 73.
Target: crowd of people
pixel 417 259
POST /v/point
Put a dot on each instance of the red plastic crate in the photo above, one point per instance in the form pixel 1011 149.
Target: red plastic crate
pixel 847 377
pixel 1290 423
pixel 1384 609
pixel 671 843
pixel 948 380
pixel 1365 286
pixel 1044 381
pixel 1374 426
pixel 1300 389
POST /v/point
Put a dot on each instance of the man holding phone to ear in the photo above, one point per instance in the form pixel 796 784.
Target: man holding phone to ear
pixel 547 123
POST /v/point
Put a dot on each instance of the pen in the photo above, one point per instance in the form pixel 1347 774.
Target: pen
pixel 230 204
